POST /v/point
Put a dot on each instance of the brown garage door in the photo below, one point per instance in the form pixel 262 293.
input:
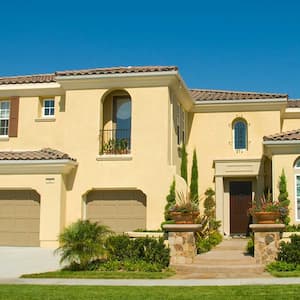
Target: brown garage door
pixel 120 210
pixel 19 218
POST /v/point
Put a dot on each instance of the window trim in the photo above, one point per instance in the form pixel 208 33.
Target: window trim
pixel 8 119
pixel 44 108
pixel 296 204
pixel 234 122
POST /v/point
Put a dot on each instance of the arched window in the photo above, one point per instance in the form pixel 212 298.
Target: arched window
pixel 115 135
pixel 240 134
pixel 297 188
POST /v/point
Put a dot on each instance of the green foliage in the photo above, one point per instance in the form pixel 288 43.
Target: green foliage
pixel 250 245
pixel 150 250
pixel 82 242
pixel 194 180
pixel 292 228
pixel 290 252
pixel 171 200
pixel 208 236
pixel 282 266
pixel 130 266
pixel 183 167
pixel 209 203
pixel 283 198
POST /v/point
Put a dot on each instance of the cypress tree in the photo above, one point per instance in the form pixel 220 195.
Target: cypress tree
pixel 194 180
pixel 283 197
pixel 183 167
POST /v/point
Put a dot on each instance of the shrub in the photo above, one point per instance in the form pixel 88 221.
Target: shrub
pixel 171 200
pixel 283 198
pixel 203 245
pixel 150 250
pixel 82 242
pixel 215 238
pixel 293 228
pixel 290 252
pixel 282 266
pixel 250 245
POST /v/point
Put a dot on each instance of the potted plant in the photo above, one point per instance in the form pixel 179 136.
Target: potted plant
pixel 184 211
pixel 265 211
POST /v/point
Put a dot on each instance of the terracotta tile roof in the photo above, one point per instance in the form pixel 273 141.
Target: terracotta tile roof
pixel 293 135
pixel 41 78
pixel 45 78
pixel 43 154
pixel 200 95
pixel 117 70
pixel 293 103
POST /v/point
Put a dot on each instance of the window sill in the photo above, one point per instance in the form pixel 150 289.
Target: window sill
pixel 114 157
pixel 44 119
pixel 4 138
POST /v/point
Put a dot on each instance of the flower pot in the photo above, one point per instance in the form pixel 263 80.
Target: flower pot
pixel 267 217
pixel 184 218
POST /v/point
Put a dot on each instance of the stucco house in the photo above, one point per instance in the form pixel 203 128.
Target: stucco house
pixel 104 144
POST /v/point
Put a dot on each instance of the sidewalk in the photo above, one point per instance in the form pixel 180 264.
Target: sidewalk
pixel 154 282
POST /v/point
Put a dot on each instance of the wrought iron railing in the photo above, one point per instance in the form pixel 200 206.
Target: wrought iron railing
pixel 115 141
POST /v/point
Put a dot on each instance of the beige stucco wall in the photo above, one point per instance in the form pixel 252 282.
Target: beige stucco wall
pixel 290 124
pixel 75 131
pixel 211 135
pixel 286 161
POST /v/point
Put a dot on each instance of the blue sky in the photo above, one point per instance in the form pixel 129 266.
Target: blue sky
pixel 235 45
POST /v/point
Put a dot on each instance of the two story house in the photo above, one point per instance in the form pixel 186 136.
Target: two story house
pixel 104 144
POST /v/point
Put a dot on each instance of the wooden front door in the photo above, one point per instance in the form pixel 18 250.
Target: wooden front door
pixel 240 201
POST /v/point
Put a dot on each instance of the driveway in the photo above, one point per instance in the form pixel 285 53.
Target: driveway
pixel 15 261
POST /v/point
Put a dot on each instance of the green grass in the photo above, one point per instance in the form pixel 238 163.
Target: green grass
pixel 102 275
pixel 38 292
pixel 285 274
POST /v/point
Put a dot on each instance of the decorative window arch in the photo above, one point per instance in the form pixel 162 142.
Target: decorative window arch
pixel 240 134
pixel 297 163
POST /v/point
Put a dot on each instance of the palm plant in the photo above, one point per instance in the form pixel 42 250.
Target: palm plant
pixel 82 242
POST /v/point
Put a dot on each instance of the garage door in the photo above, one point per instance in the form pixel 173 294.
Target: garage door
pixel 120 210
pixel 19 218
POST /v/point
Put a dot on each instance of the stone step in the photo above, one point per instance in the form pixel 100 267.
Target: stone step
pixel 228 269
pixel 227 262
pixel 219 275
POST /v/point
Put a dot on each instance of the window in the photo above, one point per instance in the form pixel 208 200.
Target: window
pixel 240 135
pixel 4 117
pixel 48 108
pixel 180 123
pixel 297 197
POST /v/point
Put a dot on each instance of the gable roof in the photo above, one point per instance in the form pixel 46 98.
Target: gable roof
pixel 46 78
pixel 202 95
pixel 43 154
pixel 293 135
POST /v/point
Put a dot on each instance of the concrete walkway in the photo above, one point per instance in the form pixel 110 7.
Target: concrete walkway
pixel 155 282
pixel 227 260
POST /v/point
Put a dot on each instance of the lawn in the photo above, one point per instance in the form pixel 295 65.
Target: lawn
pixel 37 292
pixel 102 275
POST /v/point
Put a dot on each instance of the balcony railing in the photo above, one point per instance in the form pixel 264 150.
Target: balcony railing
pixel 115 141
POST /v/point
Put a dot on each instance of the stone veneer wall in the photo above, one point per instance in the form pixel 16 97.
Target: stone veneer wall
pixel 182 247
pixel 266 242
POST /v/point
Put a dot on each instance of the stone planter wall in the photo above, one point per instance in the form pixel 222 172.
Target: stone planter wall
pixel 266 241
pixel 182 242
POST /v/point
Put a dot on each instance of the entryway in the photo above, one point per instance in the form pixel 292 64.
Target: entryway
pixel 240 201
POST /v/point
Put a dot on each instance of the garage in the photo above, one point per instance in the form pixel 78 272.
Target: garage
pixel 19 218
pixel 121 210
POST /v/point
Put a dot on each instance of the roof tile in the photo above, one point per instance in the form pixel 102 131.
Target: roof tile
pixel 293 135
pixel 201 95
pixel 43 154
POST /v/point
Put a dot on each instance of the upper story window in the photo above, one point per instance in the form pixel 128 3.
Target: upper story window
pixel 240 134
pixel 180 123
pixel 297 189
pixel 4 117
pixel 48 108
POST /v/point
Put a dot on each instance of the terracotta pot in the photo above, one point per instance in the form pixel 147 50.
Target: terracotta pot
pixel 184 218
pixel 267 217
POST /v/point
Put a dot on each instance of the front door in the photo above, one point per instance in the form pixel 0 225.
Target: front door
pixel 240 201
